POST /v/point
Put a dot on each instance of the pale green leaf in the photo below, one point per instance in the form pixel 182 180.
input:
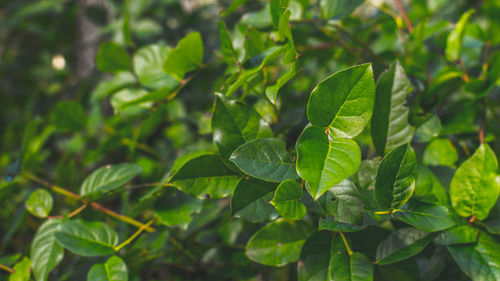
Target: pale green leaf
pixel 113 270
pixel 287 200
pixel 46 253
pixel 109 177
pixel 40 203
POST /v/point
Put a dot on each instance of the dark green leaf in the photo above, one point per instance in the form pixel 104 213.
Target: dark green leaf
pixel 402 244
pixel 112 58
pixel 251 198
pixel 329 223
pixel 427 217
pixel 177 209
pixel 68 116
pixel 344 202
pixel 87 238
pixel 338 9
pixel 226 44
pixel 265 159
pixel 109 177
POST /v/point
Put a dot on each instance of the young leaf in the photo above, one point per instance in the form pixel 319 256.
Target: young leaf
pixel 112 58
pixel 475 186
pixel 322 163
pixel 187 56
pixel 40 203
pixel 481 262
pixel 272 91
pixel 251 198
pixel 113 270
pixel 454 40
pixel 402 244
pixel 205 176
pixel 324 257
pixel 46 253
pixel 278 243
pixel 148 66
pixel 343 102
pixel 286 200
pixel 396 177
pixel 21 270
pixel 87 238
pixel 389 124
pixel 427 217
pixel 338 9
pixel 109 177
pixel 265 159
pixel 440 152
pixel 235 123
pixel 177 209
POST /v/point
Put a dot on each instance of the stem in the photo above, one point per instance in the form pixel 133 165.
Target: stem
pixel 465 76
pixel 349 251
pixel 95 205
pixel 388 212
pixel 129 240
pixel 401 10
pixel 72 214
pixel 6 268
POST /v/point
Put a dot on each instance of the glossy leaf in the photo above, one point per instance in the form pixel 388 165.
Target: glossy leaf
pixel 323 163
pixel 329 223
pixel 428 130
pixel 112 58
pixel 440 152
pixel 40 203
pixel 427 217
pixel 287 200
pixel 113 270
pixel 187 56
pixel 235 123
pixel 251 198
pixel 109 177
pixel 206 177
pixel 402 244
pixel 454 40
pixel 272 91
pixel 46 253
pixel 177 209
pixel 475 186
pixel 396 177
pixel 464 234
pixel 265 159
pixel 148 66
pixel 343 102
pixel 481 262
pixel 343 201
pixel 87 238
pixel 278 243
pixel 389 123
pixel 324 257
pixel 21 270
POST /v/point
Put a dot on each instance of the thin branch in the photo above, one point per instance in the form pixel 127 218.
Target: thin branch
pixel 131 238
pixel 349 251
pixel 402 11
pixel 95 205
pixel 6 268
pixel 72 214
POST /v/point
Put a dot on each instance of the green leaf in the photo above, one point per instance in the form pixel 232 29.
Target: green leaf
pixel 329 223
pixel 87 238
pixel 46 253
pixel 396 177
pixel 21 270
pixel 123 100
pixel 278 243
pixel 272 91
pixel 389 124
pixel 343 201
pixel 40 203
pixel 113 270
pixel 287 200
pixel 177 209
pixel 234 5
pixel 463 234
pixel 475 186
pixel 109 177
pixel 251 198
pixel 107 87
pixel 428 130
pixel 148 66
pixel 205 176
pixel 440 152
pixel 454 40
pixel 265 159
pixel 235 123
pixel 427 217
pixel 481 262
pixel 68 116
pixel 338 9
pixel 323 163
pixel 402 244
pixel 112 58
pixel 187 56
pixel 226 44
pixel 343 102
pixel 324 257
pixel 276 8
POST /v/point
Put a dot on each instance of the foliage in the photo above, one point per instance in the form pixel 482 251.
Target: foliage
pixel 252 140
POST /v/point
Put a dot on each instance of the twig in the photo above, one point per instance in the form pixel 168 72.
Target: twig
pixel 401 10
pixel 6 268
pixel 131 238
pixel 72 214
pixel 95 205
pixel 349 251
pixel 465 76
